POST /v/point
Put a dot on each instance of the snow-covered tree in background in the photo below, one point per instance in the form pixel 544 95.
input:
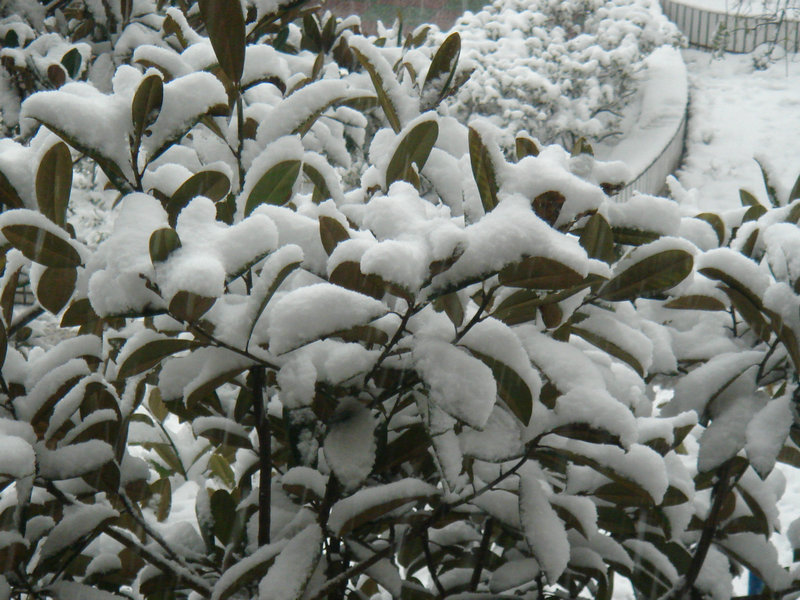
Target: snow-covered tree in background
pixel 437 381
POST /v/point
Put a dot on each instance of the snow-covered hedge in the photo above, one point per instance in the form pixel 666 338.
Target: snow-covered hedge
pixel 560 70
pixel 440 380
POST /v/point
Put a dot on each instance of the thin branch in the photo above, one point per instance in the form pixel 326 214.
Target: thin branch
pixel 264 456
pixel 357 569
pixel 487 299
pixel 483 549
pixel 192 581
pixel 32 314
pixel 426 547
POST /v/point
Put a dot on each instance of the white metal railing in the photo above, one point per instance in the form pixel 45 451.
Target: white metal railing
pixel 732 32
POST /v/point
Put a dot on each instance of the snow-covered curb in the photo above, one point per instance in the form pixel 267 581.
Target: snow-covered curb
pixel 653 146
pixel 700 24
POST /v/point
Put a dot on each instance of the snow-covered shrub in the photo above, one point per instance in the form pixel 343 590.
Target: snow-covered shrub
pixel 436 381
pixel 560 70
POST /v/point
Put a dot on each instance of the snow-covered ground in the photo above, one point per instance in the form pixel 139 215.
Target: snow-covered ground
pixel 738 113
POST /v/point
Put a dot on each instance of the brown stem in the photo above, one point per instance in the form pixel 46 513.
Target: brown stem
pixel 482 550
pixel 719 492
pixel 264 457
pixel 426 547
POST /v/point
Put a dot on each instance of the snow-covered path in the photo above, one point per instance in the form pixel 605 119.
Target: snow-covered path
pixel 738 113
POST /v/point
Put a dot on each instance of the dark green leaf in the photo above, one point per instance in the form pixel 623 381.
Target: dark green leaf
pixel 331 232
pixel 348 275
pixel 321 190
pixel 582 146
pixel 54 183
pixel 189 307
pixel 747 199
pixel 205 389
pixel 547 206
pixel 273 287
pixel 79 313
pixel 519 307
pixel 452 307
pixel 71 61
pixel 211 184
pixel 55 288
pixel 146 106
pixel 716 223
pixel 365 334
pixel 483 170
pixel 42 247
pixel 151 354
pixel 412 150
pixel 224 22
pixel 442 70
pixel 609 347
pixel 772 193
pixel 510 386
pixel 651 275
pixel 389 109
pixel 695 302
pixel 750 313
pixel 525 146
pixel 274 187
pixel 795 193
pixel 597 239
pixel 163 242
pixel 9 196
pixel 633 237
pixel 587 433
pixel 754 213
pixel 732 282
pixel 540 273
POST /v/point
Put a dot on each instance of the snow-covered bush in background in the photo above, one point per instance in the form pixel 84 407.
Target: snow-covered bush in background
pixel 560 70
pixel 437 380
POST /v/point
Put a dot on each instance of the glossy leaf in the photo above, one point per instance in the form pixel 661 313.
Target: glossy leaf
pixel 510 386
pixel 385 102
pixel 483 170
pixel 211 184
pixel 55 288
pixel 442 70
pixel 274 187
pixel 163 242
pixel 54 183
pixel 414 149
pixel 695 302
pixel 189 307
pixel 42 247
pixel 597 239
pixel 540 273
pixel 651 275
pixel 224 22
pixel 151 354
pixel 146 106
pixel 331 232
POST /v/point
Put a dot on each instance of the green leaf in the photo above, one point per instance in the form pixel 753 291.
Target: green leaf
pixel 71 61
pixel 331 232
pixel 321 190
pixel 525 146
pixel 634 237
pixel 732 282
pixel 312 116
pixel 225 437
pixel 610 348
pixel 519 307
pixel 582 146
pixel 274 187
pixel 348 275
pixel 772 193
pixel 748 199
pixel 695 302
pixel 188 306
pixel 442 70
pixel 249 572
pixel 548 205
pixel 386 103
pixel 205 389
pixel 41 246
pixel 151 354
pixel 750 312
pixel 372 507
pixel 79 313
pixel 224 22
pixel 211 184
pixel 483 170
pixel 223 509
pixel 510 386
pixel 451 305
pixel 3 344
pixel 716 223
pixel 414 149
pixel 540 273
pixel 649 276
pixel 55 288
pixel 364 334
pixel 597 239
pixel 54 183
pixel 795 193
pixel 146 106
pixel 163 242
pixel 273 287
pixel 754 213
pixel 9 196
pixel 163 489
